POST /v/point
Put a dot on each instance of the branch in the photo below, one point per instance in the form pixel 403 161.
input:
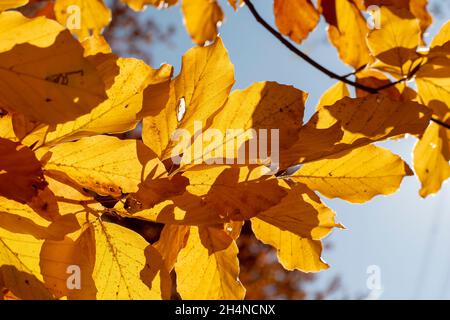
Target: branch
pixel 326 71
pixel 441 123
pixel 353 73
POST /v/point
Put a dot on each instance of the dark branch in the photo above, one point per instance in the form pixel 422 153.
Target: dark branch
pixel 441 123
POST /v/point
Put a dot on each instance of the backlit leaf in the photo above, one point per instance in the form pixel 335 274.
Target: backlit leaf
pixel 9 4
pixel 295 18
pixel 394 44
pixel 356 175
pixel 202 86
pixel 104 164
pixel 60 83
pixel 294 252
pixel 431 159
pixel 202 18
pixel 211 255
pixel 347 31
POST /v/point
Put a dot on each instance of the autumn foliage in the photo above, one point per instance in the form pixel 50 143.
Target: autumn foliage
pixel 70 183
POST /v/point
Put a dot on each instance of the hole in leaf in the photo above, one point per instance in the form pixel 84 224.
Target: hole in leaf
pixel 181 109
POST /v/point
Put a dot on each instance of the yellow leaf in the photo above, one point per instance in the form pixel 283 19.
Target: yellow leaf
pixel 295 18
pixel 208 267
pixel 394 44
pixel 294 252
pixel 60 83
pixel 202 18
pixel 22 234
pixel 433 84
pixel 246 111
pixel 7 128
pixel 202 87
pixel 431 159
pixel 104 164
pixel 300 212
pixel 432 78
pixel 218 194
pixel 83 17
pixel 63 197
pixel 19 266
pixel 21 174
pixel 357 175
pixel 173 239
pixel 95 44
pixel 442 37
pixel 352 123
pixel 347 31
pixel 250 109
pixel 434 89
pixel 417 7
pixel 119 113
pixel 333 95
pixel 24 219
pixel 115 263
pixel 18 29
pixel 9 4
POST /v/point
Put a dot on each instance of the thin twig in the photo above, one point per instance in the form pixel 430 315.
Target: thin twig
pixel 326 71
pixel 353 73
pixel 441 123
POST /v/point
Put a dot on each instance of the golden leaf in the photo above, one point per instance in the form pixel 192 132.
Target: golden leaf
pixel 431 159
pixel 352 123
pixel 211 256
pixel 417 7
pixel 104 164
pixel 173 239
pixel 218 194
pixel 347 31
pixel 9 4
pixel 296 18
pixel 394 44
pixel 356 175
pixel 114 263
pixel 300 212
pixel 119 113
pixel 294 252
pixel 202 87
pixel 333 95
pixel 202 18
pixel 40 32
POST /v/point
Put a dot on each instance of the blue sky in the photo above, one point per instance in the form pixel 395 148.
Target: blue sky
pixel 406 236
